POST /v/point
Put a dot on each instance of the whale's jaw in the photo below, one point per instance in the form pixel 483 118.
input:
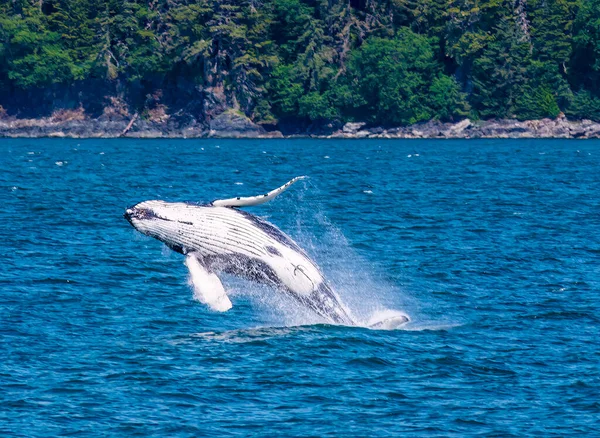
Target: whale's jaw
pixel 135 215
pixel 162 221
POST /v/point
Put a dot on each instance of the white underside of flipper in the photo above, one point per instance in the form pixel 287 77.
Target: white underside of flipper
pixel 255 200
pixel 208 289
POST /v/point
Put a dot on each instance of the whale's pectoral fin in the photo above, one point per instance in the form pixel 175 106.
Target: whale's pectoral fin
pixel 388 320
pixel 255 200
pixel 207 286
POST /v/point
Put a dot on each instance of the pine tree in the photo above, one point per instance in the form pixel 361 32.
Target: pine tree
pixel 499 73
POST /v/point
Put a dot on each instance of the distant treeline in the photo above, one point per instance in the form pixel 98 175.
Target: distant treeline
pixel 385 62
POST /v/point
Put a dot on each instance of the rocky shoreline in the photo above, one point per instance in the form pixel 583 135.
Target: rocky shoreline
pixel 232 124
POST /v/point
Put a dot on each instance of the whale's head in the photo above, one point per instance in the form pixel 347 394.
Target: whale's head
pixel 165 221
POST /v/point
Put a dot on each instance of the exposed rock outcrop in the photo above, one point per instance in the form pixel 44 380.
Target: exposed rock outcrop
pixel 544 128
pixel 48 128
pixel 234 124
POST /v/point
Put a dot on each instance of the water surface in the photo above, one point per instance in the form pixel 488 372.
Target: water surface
pixel 492 247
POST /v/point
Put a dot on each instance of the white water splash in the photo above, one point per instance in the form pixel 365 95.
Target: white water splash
pixel 372 301
pixel 387 319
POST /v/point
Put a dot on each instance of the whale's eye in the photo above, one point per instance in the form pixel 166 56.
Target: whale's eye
pixel 272 250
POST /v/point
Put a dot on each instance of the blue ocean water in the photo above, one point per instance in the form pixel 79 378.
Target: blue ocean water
pixel 492 248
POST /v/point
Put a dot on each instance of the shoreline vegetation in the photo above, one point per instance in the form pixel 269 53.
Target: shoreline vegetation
pixel 269 68
pixel 236 126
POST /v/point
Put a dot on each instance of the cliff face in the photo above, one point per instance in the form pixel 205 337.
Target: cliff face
pixel 181 101
pixel 108 109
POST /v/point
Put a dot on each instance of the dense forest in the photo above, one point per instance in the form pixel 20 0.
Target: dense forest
pixel 386 62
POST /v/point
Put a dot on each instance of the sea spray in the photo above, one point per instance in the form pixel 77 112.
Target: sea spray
pixel 362 290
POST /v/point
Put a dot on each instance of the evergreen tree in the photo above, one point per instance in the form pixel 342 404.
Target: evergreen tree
pixel 33 53
pixel 393 76
pixel 499 73
pixel 585 62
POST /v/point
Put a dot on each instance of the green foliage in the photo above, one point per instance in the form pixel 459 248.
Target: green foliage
pixel 286 90
pixel 544 93
pixel 585 106
pixel 551 23
pixel 34 56
pixel 446 100
pixel 42 67
pixel 499 73
pixel 392 78
pixel 585 62
pixel 537 103
pixel 317 106
pixel 291 27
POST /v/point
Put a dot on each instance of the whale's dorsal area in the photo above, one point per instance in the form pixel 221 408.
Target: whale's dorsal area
pixel 255 200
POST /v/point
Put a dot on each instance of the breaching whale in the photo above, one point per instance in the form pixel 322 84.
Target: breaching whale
pixel 219 237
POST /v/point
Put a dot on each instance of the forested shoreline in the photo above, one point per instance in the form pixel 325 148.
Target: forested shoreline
pixel 300 63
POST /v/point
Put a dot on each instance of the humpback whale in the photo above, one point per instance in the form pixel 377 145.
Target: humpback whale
pixel 219 237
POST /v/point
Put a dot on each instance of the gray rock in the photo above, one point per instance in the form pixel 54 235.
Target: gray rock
pixel 214 102
pixel 457 129
pixel 592 131
pixel 378 130
pixel 234 124
pixel 352 128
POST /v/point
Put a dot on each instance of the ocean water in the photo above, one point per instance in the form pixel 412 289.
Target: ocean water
pixel 491 247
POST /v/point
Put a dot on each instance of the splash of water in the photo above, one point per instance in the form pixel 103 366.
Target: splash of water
pixel 371 300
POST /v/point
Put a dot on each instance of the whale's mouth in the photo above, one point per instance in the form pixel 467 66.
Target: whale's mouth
pixel 133 214
pixel 140 214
